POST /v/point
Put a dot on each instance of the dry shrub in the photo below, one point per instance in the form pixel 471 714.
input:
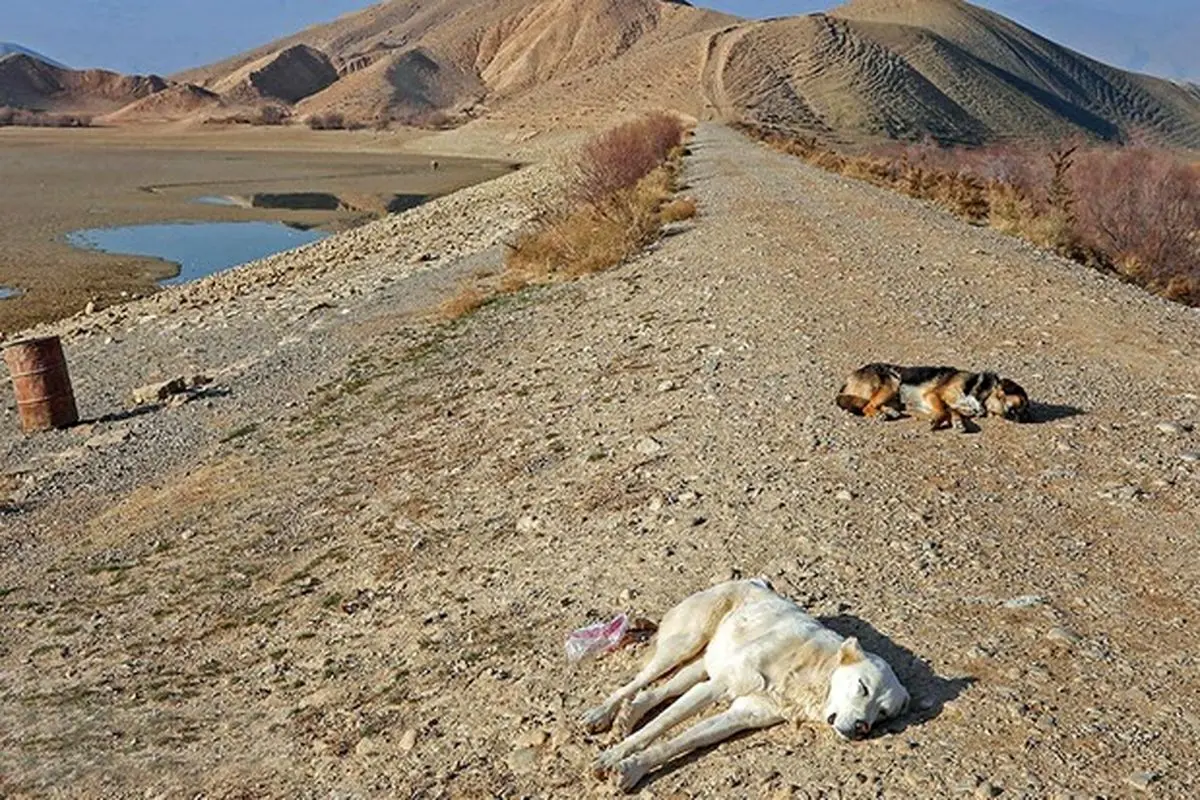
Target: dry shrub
pixel 40 119
pixel 271 115
pixel 678 210
pixel 618 158
pixel 1142 208
pixel 617 203
pixel 468 299
pixel 591 238
pixel 1135 209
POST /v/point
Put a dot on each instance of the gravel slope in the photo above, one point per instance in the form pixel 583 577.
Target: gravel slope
pixel 351 574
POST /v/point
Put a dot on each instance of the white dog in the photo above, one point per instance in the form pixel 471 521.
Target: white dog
pixel 740 641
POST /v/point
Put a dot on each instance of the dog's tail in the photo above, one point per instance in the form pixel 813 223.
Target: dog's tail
pixel 851 403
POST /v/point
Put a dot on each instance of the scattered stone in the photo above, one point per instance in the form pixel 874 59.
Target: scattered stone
pixel 668 386
pixel 844 495
pixel 1025 601
pixel 522 760
pixel 1171 428
pixel 627 595
pixel 90 308
pixel 113 437
pixel 157 392
pixel 988 789
pixel 1064 635
pixel 649 446
pixel 1191 457
pixel 531 740
pixel 367 746
pixel 1142 780
pixel 408 740
pixel 527 524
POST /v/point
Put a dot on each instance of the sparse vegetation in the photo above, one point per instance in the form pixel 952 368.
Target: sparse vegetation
pixel 40 119
pixel 1131 210
pixel 622 182
pixel 618 197
pixel 468 299
pixel 333 121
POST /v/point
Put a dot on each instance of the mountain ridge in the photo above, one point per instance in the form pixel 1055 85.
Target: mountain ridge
pixel 868 69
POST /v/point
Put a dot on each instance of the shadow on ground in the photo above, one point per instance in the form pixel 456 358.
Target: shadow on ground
pixel 1051 412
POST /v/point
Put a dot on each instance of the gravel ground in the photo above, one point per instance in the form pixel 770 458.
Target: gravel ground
pixel 348 571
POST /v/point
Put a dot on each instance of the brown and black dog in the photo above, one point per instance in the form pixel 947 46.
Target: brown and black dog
pixel 946 395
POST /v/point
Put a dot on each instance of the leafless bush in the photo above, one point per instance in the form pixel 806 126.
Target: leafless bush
pixel 618 158
pixel 40 119
pixel 1135 209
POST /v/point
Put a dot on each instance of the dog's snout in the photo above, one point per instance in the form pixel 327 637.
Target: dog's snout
pixel 861 728
pixel 832 719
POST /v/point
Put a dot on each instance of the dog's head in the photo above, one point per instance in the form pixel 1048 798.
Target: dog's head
pixel 862 691
pixel 1008 400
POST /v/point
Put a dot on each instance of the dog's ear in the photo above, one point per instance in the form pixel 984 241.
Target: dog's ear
pixel 850 652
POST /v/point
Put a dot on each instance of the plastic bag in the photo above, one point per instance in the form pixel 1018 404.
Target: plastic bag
pixel 604 637
pixel 596 639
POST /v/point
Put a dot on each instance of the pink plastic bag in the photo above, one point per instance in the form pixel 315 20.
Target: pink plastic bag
pixel 596 639
pixel 604 637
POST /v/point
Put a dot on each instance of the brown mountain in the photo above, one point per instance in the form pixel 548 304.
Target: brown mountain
pixel 408 56
pixel 27 82
pixel 867 69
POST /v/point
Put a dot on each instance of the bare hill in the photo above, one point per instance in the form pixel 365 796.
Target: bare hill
pixel 178 99
pixel 28 82
pixel 868 69
pixel 458 55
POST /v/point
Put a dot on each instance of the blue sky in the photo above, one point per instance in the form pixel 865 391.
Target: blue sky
pixel 164 36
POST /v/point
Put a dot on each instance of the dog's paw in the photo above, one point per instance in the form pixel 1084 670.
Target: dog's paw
pixel 629 773
pixel 597 720
pixel 607 761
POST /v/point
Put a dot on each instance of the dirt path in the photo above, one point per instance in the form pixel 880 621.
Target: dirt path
pixel 365 593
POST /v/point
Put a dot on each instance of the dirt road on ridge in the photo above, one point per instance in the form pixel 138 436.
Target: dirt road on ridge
pixel 363 591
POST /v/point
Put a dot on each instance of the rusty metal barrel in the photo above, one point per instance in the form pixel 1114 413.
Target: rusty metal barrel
pixel 41 384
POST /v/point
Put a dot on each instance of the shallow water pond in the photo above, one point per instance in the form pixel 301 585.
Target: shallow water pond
pixel 199 248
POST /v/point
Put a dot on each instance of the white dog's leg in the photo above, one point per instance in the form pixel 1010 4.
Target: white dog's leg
pixel 669 652
pixel 649 699
pixel 693 702
pixel 746 713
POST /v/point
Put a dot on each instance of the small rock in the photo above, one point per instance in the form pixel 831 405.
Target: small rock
pixel 523 760
pixel 668 386
pixel 1025 601
pixel 1190 458
pixel 90 308
pixel 367 746
pixel 988 789
pixel 1142 780
pixel 844 495
pixel 1170 428
pixel 531 740
pixel 408 740
pixel 1064 635
pixel 527 524
pixel 157 392
pixel 115 436
pixel 649 446
pixel 626 595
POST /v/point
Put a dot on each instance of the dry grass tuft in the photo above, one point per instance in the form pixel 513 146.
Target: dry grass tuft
pixel 619 199
pixel 468 299
pixel 1132 210
pixel 678 210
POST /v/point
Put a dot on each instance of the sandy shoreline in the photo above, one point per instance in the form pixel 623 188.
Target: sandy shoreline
pixel 56 182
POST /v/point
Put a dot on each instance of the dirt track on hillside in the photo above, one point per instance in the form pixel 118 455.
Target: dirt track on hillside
pixel 356 581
